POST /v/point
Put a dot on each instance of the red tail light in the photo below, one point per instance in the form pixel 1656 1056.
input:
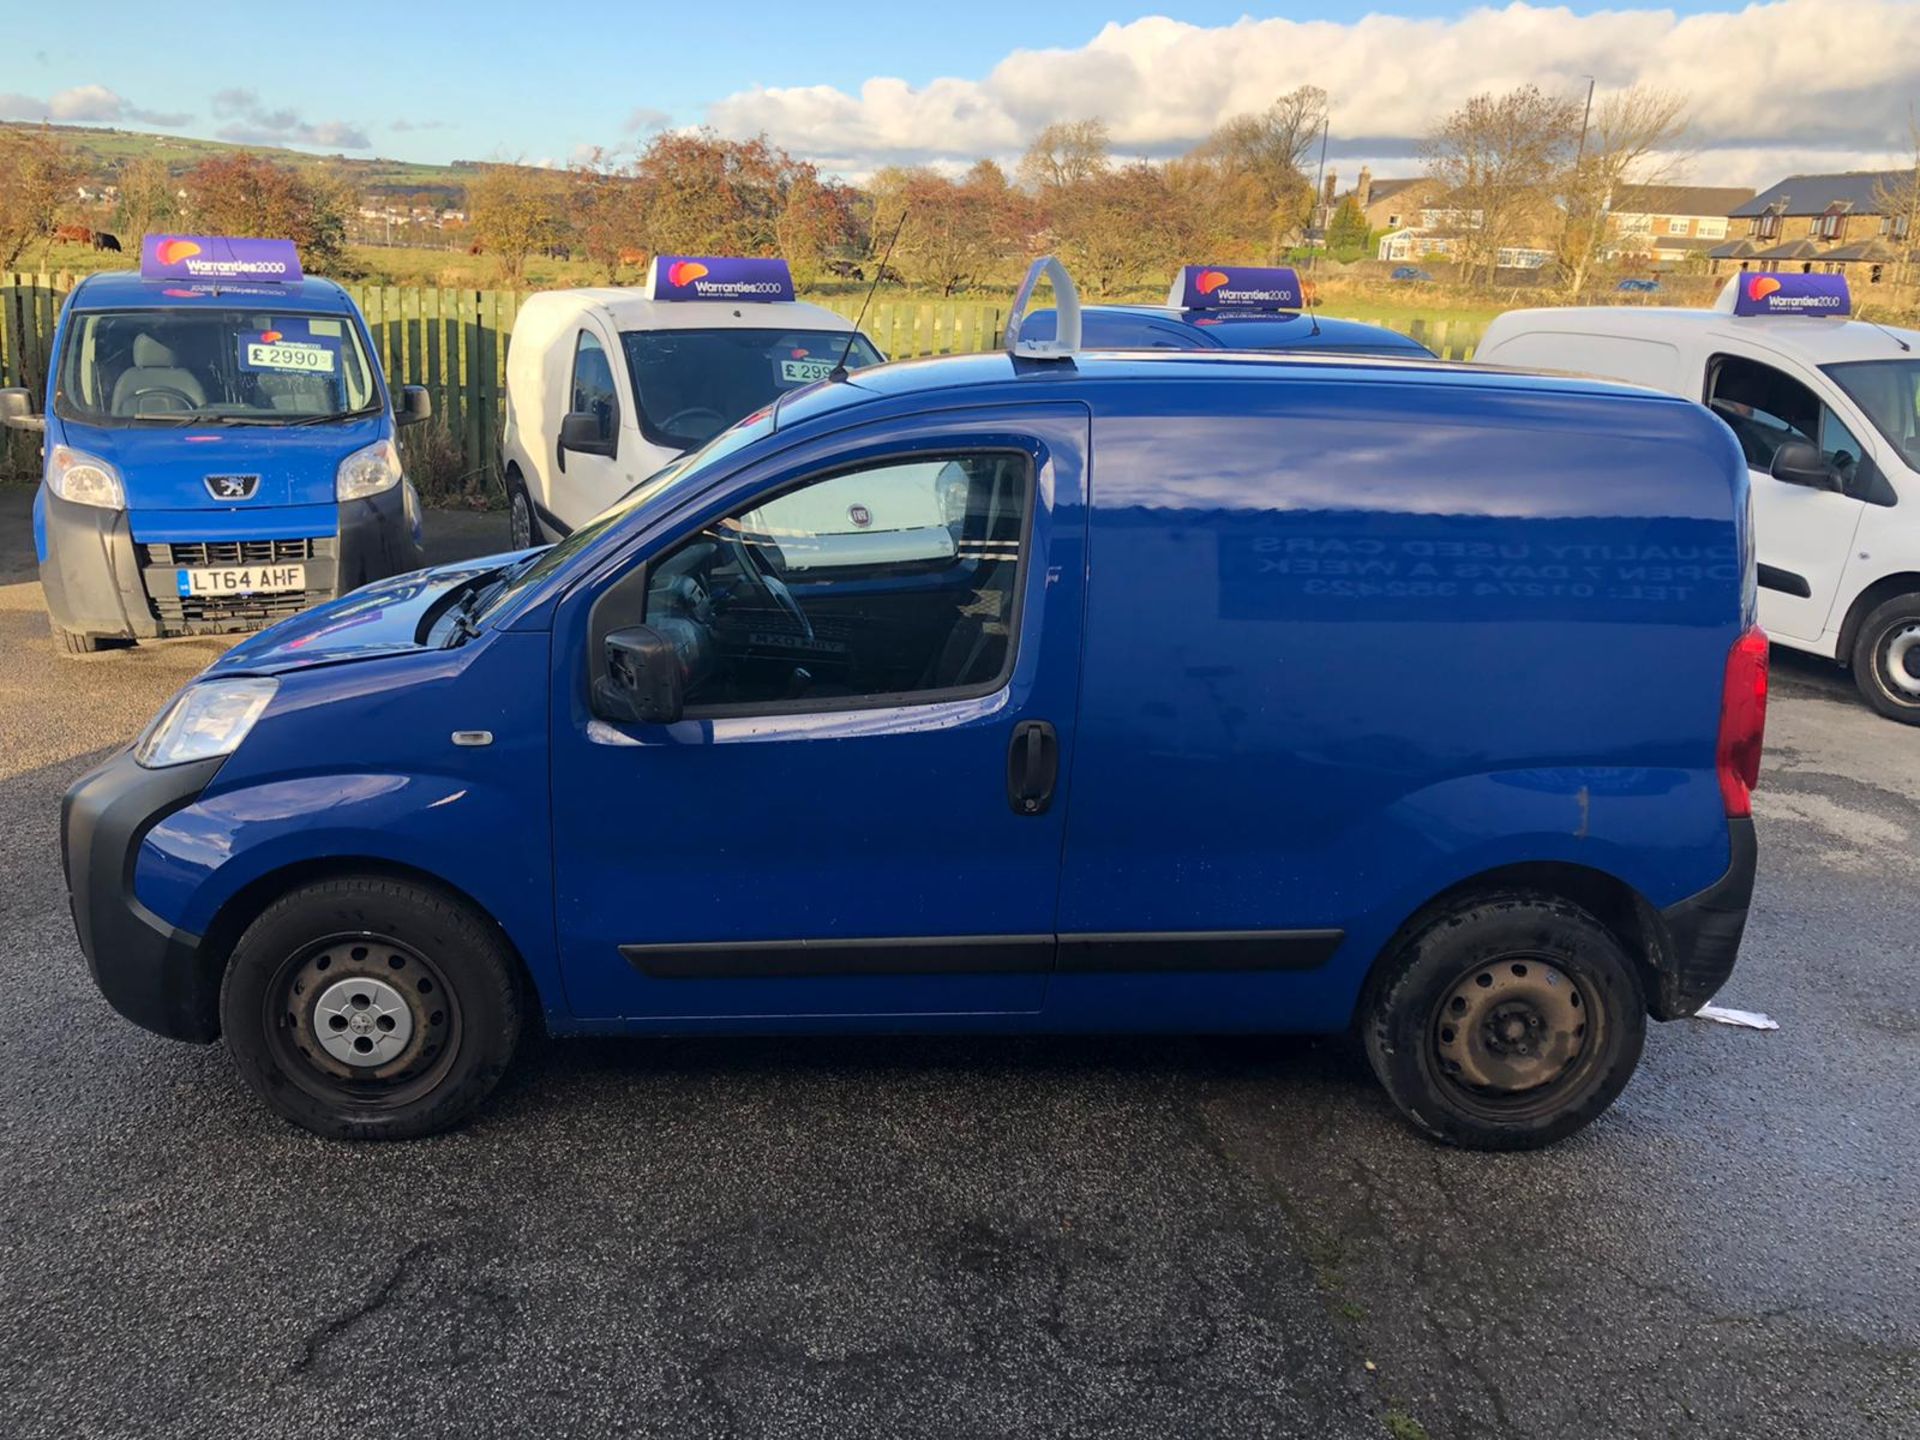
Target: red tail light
pixel 1743 721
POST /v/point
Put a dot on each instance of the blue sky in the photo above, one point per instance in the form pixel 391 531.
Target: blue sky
pixel 503 79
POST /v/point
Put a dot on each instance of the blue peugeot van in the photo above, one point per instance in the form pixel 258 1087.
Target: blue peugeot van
pixel 219 447
pixel 1241 693
pixel 1228 307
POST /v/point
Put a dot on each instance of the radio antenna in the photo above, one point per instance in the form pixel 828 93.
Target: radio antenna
pixel 1320 202
pixel 839 372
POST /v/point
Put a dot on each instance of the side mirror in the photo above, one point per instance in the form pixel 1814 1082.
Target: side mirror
pixel 413 404
pixel 16 410
pixel 580 431
pixel 1798 463
pixel 644 683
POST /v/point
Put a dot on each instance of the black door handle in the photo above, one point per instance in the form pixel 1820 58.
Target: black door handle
pixel 1033 761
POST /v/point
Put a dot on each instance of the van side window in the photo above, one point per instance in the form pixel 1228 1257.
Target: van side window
pixel 591 392
pixel 894 583
pixel 1764 407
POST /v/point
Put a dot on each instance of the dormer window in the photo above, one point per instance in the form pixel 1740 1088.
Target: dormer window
pixel 1767 226
pixel 1833 224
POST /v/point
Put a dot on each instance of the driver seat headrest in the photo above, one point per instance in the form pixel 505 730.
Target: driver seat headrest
pixel 150 354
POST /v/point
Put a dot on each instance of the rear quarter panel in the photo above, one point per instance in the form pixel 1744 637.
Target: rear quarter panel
pixel 1351 642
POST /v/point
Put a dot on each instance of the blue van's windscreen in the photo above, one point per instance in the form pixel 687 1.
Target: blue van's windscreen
pixel 180 366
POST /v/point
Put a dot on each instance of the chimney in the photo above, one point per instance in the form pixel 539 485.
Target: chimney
pixel 1332 188
pixel 1363 192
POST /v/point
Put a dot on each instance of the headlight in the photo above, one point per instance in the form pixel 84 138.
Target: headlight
pixel 84 479
pixel 206 719
pixel 368 472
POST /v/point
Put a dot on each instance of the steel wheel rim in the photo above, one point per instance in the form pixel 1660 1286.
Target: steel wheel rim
pixel 520 521
pixel 1898 661
pixel 320 980
pixel 1514 1035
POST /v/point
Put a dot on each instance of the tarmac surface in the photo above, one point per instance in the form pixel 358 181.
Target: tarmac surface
pixel 1034 1237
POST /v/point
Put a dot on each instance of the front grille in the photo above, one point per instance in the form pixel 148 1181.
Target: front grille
pixel 197 554
pixel 210 614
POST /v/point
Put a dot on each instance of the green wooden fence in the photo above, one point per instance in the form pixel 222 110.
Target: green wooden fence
pixel 454 342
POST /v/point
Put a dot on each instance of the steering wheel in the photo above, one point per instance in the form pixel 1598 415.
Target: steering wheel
pixel 774 587
pixel 186 406
pixel 674 423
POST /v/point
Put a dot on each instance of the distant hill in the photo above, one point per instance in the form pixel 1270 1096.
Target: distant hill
pixel 105 151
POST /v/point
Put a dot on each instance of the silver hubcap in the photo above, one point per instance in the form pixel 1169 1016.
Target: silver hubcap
pixel 522 523
pixel 1901 660
pixel 362 1021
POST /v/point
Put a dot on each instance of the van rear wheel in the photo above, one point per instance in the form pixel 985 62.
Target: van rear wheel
pixel 369 1008
pixel 1886 658
pixel 1507 1023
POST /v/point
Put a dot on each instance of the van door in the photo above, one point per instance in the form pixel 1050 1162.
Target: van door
pixel 862 811
pixel 589 479
pixel 1804 536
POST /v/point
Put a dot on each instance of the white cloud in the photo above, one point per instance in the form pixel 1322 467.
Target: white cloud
pixel 86 104
pixel 1806 78
pixel 252 123
pixel 646 117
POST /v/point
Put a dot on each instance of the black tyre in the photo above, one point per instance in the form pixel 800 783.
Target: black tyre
pixel 1886 658
pixel 1506 1023
pixel 371 1009
pixel 523 526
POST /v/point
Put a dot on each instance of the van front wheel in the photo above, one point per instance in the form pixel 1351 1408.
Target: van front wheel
pixel 1886 658
pixel 523 529
pixel 369 1008
pixel 1507 1023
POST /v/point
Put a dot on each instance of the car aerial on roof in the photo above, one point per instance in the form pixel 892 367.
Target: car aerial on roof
pixel 1827 413
pixel 1227 307
pixel 1127 746
pixel 219 447
pixel 605 386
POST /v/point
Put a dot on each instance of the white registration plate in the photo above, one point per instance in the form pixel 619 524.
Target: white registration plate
pixel 243 580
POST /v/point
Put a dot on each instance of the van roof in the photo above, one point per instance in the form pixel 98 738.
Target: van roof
pixel 630 308
pixel 126 290
pixel 954 372
pixel 1818 341
pixel 1233 329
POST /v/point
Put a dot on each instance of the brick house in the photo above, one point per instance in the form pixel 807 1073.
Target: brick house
pixel 1827 224
pixel 1669 224
pixel 1391 204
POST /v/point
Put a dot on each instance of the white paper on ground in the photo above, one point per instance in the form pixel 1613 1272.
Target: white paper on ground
pixel 1748 1019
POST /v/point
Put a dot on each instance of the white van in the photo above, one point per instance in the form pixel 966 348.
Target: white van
pixel 1827 410
pixel 606 386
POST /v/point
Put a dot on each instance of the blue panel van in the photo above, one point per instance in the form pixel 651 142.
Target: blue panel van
pixel 1239 693
pixel 219 448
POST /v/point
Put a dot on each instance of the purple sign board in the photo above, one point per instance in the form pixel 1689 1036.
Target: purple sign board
pixel 1236 287
pixel 218 257
pixel 1759 294
pixel 718 277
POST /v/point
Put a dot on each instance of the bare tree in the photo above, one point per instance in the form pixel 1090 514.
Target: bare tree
pixel 1897 197
pixel 1634 139
pixel 1497 160
pixel 1066 153
pixel 1251 173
